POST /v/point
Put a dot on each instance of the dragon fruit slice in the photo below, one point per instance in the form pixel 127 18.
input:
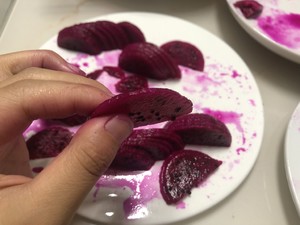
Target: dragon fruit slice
pixel 79 38
pixel 182 171
pixel 134 34
pixel 159 134
pixel 250 9
pixel 129 158
pixel 148 60
pixel 95 74
pixel 146 106
pixel 185 54
pixel 114 71
pixel 201 129
pixel 131 83
pixel 48 142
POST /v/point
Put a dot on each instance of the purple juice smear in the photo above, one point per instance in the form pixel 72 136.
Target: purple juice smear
pixel 144 187
pixel 37 169
pixel 282 28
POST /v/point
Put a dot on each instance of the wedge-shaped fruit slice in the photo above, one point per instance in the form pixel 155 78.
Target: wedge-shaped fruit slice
pixel 131 83
pixel 48 142
pixel 147 59
pixel 159 143
pixel 79 38
pixel 134 34
pixel 129 158
pixel 185 54
pixel 201 129
pixel 182 171
pixel 146 106
pixel 250 9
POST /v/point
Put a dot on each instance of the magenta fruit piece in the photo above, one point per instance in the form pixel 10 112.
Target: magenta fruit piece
pixel 146 106
pixel 148 60
pixel 201 129
pixel 131 83
pixel 134 34
pixel 73 120
pixel 114 71
pixel 185 54
pixel 182 171
pixel 250 9
pixel 129 158
pixel 79 38
pixel 48 142
pixel 95 74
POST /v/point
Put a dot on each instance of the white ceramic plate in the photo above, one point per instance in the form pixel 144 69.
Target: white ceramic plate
pixel 292 156
pixel 226 89
pixel 277 28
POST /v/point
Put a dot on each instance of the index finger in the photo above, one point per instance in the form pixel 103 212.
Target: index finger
pixel 14 63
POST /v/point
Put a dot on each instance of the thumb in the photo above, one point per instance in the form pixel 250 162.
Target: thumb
pixel 69 178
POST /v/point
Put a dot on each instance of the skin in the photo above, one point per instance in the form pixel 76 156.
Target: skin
pixel 40 84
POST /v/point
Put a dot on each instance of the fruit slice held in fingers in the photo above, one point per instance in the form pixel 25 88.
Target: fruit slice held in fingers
pixel 146 106
pixel 182 171
pixel 201 129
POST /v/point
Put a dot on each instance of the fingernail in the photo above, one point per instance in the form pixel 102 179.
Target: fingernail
pixel 119 126
pixel 76 69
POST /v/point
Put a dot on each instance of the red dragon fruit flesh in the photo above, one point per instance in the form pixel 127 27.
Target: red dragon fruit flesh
pixel 114 71
pixel 250 9
pixel 48 142
pixel 201 129
pixel 131 83
pixel 185 54
pixel 130 158
pixel 147 59
pixel 146 106
pixel 182 171
pixel 134 34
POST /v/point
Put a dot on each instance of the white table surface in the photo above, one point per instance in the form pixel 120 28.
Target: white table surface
pixel 264 197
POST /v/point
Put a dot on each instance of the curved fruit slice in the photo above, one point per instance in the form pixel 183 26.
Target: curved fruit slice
pixel 134 34
pixel 131 83
pixel 95 74
pixel 114 71
pixel 182 171
pixel 48 142
pixel 250 9
pixel 79 38
pixel 185 54
pixel 146 106
pixel 148 60
pixel 130 158
pixel 201 129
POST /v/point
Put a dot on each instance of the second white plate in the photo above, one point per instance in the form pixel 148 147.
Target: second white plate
pixel 277 28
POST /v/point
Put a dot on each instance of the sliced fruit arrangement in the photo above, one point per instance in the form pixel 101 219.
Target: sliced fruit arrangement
pixel 182 171
pixel 96 37
pixel 146 106
pixel 201 129
pixel 185 54
pixel 48 142
pixel 149 60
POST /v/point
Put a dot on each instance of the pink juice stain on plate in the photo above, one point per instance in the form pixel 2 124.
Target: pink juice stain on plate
pixel 282 28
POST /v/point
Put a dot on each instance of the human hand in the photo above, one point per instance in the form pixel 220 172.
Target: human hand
pixel 39 84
